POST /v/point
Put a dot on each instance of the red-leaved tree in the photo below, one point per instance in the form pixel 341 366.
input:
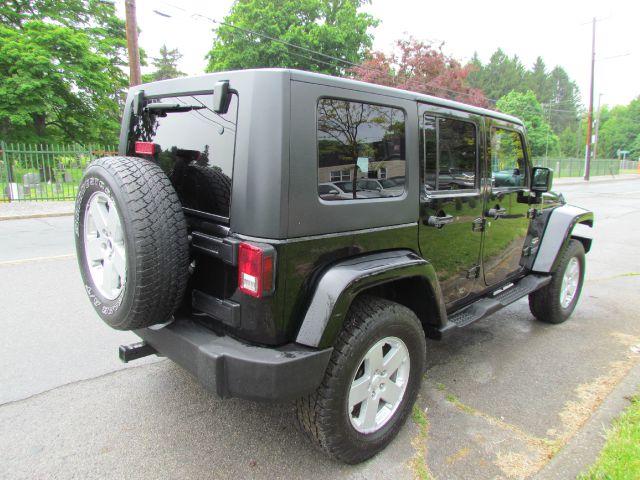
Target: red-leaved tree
pixel 420 67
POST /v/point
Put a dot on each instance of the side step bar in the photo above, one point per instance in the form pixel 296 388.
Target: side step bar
pixel 493 302
pixel 135 351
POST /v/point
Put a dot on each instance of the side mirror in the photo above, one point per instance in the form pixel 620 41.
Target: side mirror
pixel 541 179
pixel 221 97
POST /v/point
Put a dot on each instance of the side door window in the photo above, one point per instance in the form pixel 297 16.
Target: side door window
pixel 450 154
pixel 507 221
pixel 506 154
pixel 451 202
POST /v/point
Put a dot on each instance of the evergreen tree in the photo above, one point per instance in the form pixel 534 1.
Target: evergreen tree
pixel 166 65
pixel 498 77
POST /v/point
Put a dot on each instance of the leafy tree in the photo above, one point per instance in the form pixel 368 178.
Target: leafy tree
pixel 619 130
pixel 166 65
pixel 420 67
pixel 334 28
pixel 60 64
pixel 526 106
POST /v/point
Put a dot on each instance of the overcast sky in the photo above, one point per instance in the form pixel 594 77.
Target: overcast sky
pixel 558 31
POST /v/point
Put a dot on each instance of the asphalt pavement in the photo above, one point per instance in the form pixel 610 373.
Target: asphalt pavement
pixel 507 397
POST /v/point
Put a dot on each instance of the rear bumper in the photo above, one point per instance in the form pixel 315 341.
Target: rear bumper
pixel 231 368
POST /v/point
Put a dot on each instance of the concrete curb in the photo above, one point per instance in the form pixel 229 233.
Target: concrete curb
pixel 34 215
pixel 583 449
pixel 580 181
pixel 41 209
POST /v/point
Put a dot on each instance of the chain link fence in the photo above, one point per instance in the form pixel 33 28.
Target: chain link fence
pixel 44 172
pixel 574 167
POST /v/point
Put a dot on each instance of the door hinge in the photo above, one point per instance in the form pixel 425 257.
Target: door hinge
pixel 478 225
pixel 473 272
pixel 526 251
pixel 532 213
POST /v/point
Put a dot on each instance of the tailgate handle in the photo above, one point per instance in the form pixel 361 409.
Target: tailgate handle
pixel 439 222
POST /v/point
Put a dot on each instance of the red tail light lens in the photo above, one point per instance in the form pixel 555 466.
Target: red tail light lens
pixel 255 269
pixel 145 148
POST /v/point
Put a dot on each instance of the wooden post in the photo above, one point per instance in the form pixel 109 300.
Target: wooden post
pixel 132 43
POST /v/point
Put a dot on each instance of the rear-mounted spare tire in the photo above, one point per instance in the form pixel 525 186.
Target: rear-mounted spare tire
pixel 131 242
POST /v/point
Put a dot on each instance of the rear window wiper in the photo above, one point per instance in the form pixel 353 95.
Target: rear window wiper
pixel 164 107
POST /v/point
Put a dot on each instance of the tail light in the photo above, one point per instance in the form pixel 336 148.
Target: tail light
pixel 255 269
pixel 145 148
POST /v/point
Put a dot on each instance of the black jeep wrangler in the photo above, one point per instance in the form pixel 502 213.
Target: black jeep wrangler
pixel 282 234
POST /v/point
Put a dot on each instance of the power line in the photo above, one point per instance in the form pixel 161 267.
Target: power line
pixel 429 85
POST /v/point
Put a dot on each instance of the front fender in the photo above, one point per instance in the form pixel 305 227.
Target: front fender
pixel 341 283
pixel 559 230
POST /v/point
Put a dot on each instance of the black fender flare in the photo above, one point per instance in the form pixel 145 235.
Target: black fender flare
pixel 342 282
pixel 559 229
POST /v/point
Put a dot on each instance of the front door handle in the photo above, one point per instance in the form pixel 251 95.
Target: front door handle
pixel 439 222
pixel 497 212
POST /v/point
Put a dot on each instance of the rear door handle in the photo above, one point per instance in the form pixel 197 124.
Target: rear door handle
pixel 497 212
pixel 439 222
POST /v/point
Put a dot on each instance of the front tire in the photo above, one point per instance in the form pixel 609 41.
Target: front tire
pixel 555 302
pixel 371 383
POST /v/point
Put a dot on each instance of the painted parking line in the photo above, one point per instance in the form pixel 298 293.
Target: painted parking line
pixel 36 259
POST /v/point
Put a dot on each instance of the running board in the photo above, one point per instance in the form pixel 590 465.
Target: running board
pixel 495 301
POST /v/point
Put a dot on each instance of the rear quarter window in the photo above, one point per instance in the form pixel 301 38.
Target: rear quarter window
pixel 359 145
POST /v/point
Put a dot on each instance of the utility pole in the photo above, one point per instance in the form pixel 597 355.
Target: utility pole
pixel 132 43
pixel 590 122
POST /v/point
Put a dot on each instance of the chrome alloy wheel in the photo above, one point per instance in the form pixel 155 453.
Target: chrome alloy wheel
pixel 570 281
pixel 104 246
pixel 378 385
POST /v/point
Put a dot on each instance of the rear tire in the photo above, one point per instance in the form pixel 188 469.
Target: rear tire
pixel 131 242
pixel 371 382
pixel 555 302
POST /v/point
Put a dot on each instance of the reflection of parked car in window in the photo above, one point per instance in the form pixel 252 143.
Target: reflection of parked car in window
pixel 508 178
pixel 343 191
pixel 386 188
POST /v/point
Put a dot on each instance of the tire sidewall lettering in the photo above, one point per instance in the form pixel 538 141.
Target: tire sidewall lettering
pixel 90 185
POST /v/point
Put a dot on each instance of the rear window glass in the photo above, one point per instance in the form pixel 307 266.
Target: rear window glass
pixel 361 150
pixel 193 145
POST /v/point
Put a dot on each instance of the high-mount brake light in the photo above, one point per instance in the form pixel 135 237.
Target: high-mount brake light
pixel 255 269
pixel 145 148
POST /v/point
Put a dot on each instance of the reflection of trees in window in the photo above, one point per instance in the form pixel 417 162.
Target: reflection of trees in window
pixel 352 130
pixel 505 150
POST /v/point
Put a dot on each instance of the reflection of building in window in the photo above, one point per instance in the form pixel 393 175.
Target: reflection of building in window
pixel 338 176
pixel 358 141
